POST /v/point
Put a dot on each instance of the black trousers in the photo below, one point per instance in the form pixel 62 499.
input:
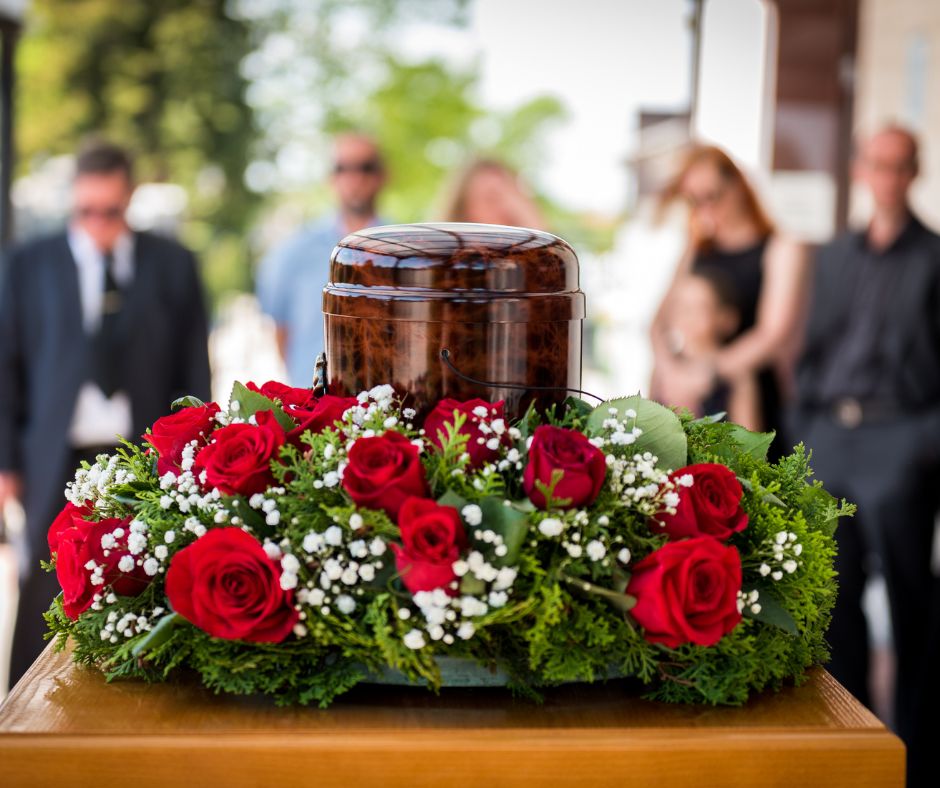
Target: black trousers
pixel 891 471
pixel 37 588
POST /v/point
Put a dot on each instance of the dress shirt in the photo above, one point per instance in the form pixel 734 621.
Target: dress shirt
pixel 290 286
pixel 98 419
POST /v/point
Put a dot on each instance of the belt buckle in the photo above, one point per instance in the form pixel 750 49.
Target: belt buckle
pixel 849 413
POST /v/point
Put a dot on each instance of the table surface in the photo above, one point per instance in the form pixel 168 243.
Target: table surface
pixel 65 725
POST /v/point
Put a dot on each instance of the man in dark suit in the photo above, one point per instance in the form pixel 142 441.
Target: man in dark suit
pixel 100 329
pixel 869 409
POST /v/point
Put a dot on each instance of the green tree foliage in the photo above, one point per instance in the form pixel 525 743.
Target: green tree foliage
pixel 162 78
pixel 236 100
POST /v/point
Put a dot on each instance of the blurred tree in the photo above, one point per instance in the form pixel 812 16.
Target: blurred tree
pixel 321 66
pixel 162 78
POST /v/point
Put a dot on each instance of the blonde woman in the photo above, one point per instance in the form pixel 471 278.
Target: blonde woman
pixel 489 192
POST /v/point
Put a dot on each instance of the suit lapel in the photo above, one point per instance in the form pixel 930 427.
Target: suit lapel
pixel 140 291
pixel 67 291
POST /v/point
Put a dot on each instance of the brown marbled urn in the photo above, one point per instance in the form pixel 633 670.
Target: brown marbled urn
pixel 504 301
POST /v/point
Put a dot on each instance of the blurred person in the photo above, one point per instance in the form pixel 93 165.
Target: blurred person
pixel 291 278
pixel 731 233
pixel 101 328
pixel 489 192
pixel 702 316
pixel 869 409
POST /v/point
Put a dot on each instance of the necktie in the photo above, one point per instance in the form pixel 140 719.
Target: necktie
pixel 107 344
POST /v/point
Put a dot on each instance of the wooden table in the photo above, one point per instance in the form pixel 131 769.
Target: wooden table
pixel 63 726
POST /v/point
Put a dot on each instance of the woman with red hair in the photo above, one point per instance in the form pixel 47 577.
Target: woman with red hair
pixel 732 238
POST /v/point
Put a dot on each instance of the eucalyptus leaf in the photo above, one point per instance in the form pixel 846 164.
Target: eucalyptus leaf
pixel 189 401
pixel 772 612
pixel 252 402
pixel 159 634
pixel 662 431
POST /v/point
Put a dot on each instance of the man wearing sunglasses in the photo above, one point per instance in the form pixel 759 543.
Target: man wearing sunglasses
pixel 290 280
pixel 101 328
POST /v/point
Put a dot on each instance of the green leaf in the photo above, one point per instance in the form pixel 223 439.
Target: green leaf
pixel 618 599
pixel 754 443
pixel 772 612
pixel 662 431
pixel 820 508
pixel 450 498
pixel 712 418
pixel 509 523
pixel 581 408
pixel 127 500
pixel 252 402
pixel 472 586
pixel 159 634
pixel 189 401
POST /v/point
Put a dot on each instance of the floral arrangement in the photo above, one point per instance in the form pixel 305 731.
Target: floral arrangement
pixel 296 546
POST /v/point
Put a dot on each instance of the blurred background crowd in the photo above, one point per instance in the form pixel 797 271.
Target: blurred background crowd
pixel 700 155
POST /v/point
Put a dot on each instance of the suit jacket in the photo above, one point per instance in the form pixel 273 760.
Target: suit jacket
pixel 911 339
pixel 45 353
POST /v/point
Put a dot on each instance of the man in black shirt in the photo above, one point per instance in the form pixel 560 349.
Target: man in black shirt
pixel 869 409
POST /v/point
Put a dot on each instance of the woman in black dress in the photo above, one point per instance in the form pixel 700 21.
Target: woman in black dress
pixel 732 237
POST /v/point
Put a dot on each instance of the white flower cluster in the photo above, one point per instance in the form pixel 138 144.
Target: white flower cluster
pixel 494 432
pixel 749 600
pixel 448 618
pixel 619 433
pixel 340 561
pixel 571 525
pixel 267 504
pixel 121 624
pixel 640 484
pixel 136 536
pixel 781 555
pixel 93 484
pixel 185 493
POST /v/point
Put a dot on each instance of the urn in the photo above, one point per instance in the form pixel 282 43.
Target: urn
pixel 502 303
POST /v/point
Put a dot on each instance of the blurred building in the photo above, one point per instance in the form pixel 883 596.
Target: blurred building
pixel 897 64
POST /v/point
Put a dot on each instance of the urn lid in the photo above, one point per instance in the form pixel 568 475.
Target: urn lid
pixel 458 265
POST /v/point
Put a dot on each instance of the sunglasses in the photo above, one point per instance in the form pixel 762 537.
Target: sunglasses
pixel 371 167
pixel 111 213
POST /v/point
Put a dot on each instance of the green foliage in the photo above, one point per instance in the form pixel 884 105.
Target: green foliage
pixel 565 616
pixel 163 78
pixel 662 431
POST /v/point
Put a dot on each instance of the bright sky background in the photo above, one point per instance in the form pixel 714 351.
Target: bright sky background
pixel 606 59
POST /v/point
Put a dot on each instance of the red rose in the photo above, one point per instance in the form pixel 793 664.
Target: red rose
pixel 323 414
pixel 383 471
pixel 170 434
pixel 63 521
pixel 433 537
pixel 226 585
pixel 584 467
pixel 79 544
pixel 710 507
pixel 238 461
pixel 445 412
pixel 687 592
pixel 295 401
